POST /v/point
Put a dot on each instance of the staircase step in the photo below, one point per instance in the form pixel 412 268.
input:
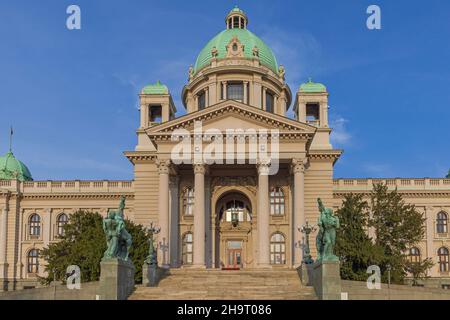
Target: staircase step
pixel 215 284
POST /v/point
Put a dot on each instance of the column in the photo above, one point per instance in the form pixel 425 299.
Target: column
pixel 264 98
pixel 245 92
pixel 298 170
pixel 207 97
pixel 3 231
pixel 224 90
pixel 199 215
pixel 263 215
pixel 163 237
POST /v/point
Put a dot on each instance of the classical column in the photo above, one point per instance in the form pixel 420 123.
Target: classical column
pixel 207 97
pixel 163 237
pixel 263 215
pixel 298 170
pixel 224 90
pixel 3 231
pixel 199 215
pixel 245 92
pixel 264 90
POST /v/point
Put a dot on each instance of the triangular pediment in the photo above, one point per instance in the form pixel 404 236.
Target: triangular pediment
pixel 232 114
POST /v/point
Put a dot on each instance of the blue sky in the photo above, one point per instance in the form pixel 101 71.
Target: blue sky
pixel 72 95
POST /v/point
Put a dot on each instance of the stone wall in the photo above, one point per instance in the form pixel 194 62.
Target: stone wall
pixel 357 290
pixel 88 291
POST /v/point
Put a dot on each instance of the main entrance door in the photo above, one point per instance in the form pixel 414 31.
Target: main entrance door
pixel 234 255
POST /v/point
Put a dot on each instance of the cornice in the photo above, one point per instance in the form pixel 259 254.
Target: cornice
pixel 35 196
pixel 325 154
pixel 135 156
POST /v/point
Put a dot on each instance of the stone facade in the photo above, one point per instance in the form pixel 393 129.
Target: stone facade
pixel 215 215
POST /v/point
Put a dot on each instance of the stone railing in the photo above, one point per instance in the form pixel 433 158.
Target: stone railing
pixel 68 186
pixel 399 183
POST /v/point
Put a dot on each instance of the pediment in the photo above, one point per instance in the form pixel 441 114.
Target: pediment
pixel 233 115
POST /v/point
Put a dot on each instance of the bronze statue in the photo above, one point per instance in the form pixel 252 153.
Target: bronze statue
pixel 118 239
pixel 152 258
pixel 326 237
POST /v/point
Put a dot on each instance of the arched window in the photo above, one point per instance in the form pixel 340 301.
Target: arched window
pixel 187 248
pixel 61 222
pixel 188 201
pixel 277 249
pixel 443 259
pixel 201 100
pixel 269 102
pixel 441 222
pixel 414 255
pixel 35 225
pixel 277 201
pixel 33 261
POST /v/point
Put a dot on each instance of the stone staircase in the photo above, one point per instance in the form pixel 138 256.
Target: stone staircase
pixel 212 284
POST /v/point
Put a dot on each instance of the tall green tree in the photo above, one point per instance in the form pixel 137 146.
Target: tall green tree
pixel 83 244
pixel 448 174
pixel 398 226
pixel 419 269
pixel 355 248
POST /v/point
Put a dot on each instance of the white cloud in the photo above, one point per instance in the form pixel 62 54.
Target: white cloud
pixel 340 135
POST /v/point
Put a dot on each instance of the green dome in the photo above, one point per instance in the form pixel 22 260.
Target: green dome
pixel 157 88
pixel 11 168
pixel 312 87
pixel 247 38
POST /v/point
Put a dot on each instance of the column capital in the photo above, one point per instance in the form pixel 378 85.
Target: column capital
pixel 163 166
pixel 200 168
pixel 263 166
pixel 298 165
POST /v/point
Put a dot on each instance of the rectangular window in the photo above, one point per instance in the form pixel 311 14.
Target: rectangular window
pixel 312 113
pixel 235 91
pixel 201 101
pixel 155 114
pixel 269 102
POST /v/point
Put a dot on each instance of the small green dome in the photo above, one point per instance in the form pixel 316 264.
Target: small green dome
pixel 237 10
pixel 312 87
pixel 247 38
pixel 11 168
pixel 157 88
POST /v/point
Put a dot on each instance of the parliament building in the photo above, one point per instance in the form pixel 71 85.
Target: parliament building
pixel 229 214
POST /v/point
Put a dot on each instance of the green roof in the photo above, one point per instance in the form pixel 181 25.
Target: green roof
pixel 312 87
pixel 157 88
pixel 11 168
pixel 247 38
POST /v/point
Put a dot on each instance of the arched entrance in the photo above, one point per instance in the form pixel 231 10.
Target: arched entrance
pixel 233 228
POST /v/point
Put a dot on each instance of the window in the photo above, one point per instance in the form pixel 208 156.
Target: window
pixel 187 249
pixel 61 222
pixel 188 201
pixel 33 261
pixel 443 259
pixel 312 113
pixel 235 91
pixel 155 114
pixel 236 210
pixel 276 201
pixel 35 225
pixel 269 102
pixel 414 255
pixel 441 222
pixel 277 249
pixel 201 101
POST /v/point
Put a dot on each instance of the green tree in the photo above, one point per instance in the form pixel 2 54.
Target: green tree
pixel 448 174
pixel 398 226
pixel 355 248
pixel 83 244
pixel 418 270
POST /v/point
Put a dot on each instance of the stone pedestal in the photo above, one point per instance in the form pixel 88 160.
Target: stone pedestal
pixel 327 280
pixel 116 279
pixel 151 274
pixel 305 271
